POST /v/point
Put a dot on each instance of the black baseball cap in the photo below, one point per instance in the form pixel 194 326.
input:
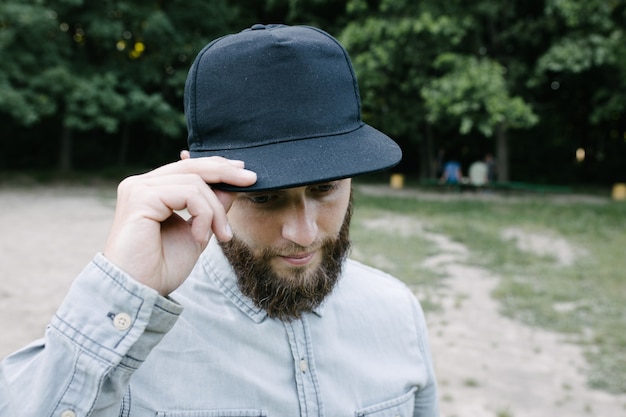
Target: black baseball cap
pixel 285 100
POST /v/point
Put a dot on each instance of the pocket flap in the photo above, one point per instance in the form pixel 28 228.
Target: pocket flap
pixel 398 407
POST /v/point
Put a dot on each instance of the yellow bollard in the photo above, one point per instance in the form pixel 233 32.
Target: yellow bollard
pixel 397 181
pixel 619 192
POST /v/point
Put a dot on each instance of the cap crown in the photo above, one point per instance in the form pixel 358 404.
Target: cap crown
pixel 270 84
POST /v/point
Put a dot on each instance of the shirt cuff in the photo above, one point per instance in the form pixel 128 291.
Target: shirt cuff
pixel 112 316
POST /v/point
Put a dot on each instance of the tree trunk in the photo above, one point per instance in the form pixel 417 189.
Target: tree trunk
pixel 431 152
pixel 65 150
pixel 502 153
pixel 426 154
pixel 123 152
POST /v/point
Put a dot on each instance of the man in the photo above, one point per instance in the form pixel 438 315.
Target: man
pixel 266 318
pixel 452 173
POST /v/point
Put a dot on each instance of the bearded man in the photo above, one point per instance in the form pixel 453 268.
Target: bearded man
pixel 248 307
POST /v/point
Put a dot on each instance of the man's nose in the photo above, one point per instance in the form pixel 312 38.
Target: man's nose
pixel 300 225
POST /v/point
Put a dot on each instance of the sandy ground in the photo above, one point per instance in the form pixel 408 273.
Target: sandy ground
pixel 487 365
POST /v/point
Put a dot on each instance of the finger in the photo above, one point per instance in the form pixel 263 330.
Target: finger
pixel 193 180
pixel 200 222
pixel 184 154
pixel 172 187
pixel 212 170
pixel 157 197
pixel 206 210
pixel 214 219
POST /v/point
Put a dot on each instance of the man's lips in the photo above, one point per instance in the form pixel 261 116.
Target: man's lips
pixel 298 259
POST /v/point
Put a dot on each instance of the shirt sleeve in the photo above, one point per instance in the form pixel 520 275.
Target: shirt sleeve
pixel 103 331
pixel 426 400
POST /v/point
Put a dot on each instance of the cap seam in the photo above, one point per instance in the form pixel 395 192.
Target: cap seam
pixel 285 140
pixel 193 98
pixel 355 82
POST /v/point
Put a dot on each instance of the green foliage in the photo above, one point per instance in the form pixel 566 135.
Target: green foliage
pixel 549 77
pixel 29 41
pixel 591 13
pixel 393 57
pixel 98 66
pixel 93 103
pixel 474 92
pixel 584 67
pixel 555 68
pixel 164 117
pixel 576 55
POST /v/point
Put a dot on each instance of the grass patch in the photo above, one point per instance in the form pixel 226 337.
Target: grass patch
pixel 582 298
pixel 397 253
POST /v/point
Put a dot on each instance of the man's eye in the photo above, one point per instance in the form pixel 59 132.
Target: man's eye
pixel 260 199
pixel 324 188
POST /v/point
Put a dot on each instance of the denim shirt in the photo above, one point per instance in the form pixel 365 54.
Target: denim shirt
pixel 116 348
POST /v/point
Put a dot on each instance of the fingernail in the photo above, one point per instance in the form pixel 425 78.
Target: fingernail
pixel 249 173
pixel 229 231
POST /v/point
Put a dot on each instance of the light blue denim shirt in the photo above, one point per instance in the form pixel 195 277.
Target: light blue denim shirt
pixel 116 348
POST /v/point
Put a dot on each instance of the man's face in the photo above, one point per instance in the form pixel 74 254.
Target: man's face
pixel 289 245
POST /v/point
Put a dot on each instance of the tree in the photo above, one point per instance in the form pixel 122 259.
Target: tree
pixel 29 41
pixel 107 66
pixel 110 74
pixel 393 48
pixel 580 80
pixel 420 65
pixel 39 83
pixel 473 93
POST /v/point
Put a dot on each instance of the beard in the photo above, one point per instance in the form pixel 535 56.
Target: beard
pixel 288 297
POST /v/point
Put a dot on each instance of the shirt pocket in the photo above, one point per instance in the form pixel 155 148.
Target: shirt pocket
pixel 213 413
pixel 397 407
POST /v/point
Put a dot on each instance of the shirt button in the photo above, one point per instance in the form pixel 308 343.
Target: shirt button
pixel 303 365
pixel 121 321
pixel 68 413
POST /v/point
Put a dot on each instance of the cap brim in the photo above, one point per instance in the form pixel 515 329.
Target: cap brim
pixel 309 161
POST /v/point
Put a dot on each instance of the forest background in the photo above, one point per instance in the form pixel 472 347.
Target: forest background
pixel 97 86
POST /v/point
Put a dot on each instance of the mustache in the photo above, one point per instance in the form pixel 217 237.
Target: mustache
pixel 291 248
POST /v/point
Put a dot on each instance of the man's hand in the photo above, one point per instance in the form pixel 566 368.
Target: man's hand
pixel 153 244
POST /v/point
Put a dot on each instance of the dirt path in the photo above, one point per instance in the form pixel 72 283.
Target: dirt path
pixel 47 236
pixel 487 365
